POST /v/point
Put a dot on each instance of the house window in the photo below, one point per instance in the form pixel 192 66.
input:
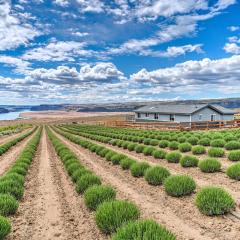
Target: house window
pixel 200 117
pixel 139 115
pixel 172 118
pixel 155 116
pixel 146 114
pixel 213 117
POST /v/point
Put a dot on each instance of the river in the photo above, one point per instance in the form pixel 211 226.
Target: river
pixel 11 115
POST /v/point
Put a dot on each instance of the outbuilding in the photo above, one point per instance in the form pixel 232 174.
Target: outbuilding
pixel 183 113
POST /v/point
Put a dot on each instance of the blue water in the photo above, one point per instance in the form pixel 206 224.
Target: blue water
pixel 11 115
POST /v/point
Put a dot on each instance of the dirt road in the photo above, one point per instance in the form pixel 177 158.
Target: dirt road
pixel 51 209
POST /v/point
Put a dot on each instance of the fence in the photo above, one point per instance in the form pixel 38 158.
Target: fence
pixel 173 125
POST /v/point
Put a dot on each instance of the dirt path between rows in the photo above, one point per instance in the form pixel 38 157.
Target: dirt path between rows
pixel 11 155
pixel 10 137
pixel 202 179
pixel 177 214
pixel 51 209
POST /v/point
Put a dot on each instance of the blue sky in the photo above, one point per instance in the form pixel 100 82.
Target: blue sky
pixel 96 51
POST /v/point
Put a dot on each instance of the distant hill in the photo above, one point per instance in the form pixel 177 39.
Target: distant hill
pixel 47 107
pixel 233 103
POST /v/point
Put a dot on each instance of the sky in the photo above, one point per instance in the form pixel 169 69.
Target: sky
pixel 101 51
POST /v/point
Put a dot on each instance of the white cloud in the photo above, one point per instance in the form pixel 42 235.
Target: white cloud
pixel 232 48
pixel 101 72
pixel 142 48
pixel 222 4
pixel 62 3
pixel 233 28
pixel 58 51
pixel 80 34
pixel 234 39
pixel 154 9
pixel 204 74
pixel 96 6
pixel 176 51
pixel 14 32
pixel 20 65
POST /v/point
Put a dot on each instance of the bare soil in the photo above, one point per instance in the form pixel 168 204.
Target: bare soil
pixel 180 215
pixel 6 138
pixel 51 209
pixel 10 156
pixel 202 179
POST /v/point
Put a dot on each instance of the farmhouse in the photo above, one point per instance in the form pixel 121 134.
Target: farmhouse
pixel 183 113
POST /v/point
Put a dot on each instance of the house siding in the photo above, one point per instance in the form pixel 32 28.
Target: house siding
pixel 162 117
pixel 205 113
pixel 228 117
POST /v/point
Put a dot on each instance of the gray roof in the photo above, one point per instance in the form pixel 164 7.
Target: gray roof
pixel 181 108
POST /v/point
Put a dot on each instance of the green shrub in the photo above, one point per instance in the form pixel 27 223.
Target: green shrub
pixel 156 175
pixel 184 147
pixel 79 173
pixel 125 145
pixel 147 151
pixel 193 140
pixel 73 167
pixel 189 161
pixel 131 146
pixel 12 188
pixel 229 138
pixel 126 163
pixel 232 145
pixel 8 205
pixel 181 139
pixel 109 155
pixel 14 177
pixel 115 159
pixel 103 152
pixel 234 171
pixel 159 154
pixel 112 215
pixel 216 136
pixel 163 143
pixel 179 185
pixel 138 169
pixel 94 147
pixel 198 150
pixel 234 155
pixel 99 149
pixel 209 165
pixel 143 230
pixel 86 181
pixel 154 142
pixel 18 170
pixel 139 148
pixel 146 141
pixel 216 152
pixel 214 201
pixel 204 142
pixel 173 145
pixel 173 157
pixel 217 143
pixel 96 195
pixel 5 227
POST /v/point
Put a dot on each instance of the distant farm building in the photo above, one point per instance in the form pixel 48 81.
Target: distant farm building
pixel 183 113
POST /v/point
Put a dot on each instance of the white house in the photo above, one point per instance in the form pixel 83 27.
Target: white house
pixel 183 113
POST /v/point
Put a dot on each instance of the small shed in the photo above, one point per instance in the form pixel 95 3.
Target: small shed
pixel 183 113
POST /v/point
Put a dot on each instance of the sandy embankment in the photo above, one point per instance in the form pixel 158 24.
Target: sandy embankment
pixel 61 116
